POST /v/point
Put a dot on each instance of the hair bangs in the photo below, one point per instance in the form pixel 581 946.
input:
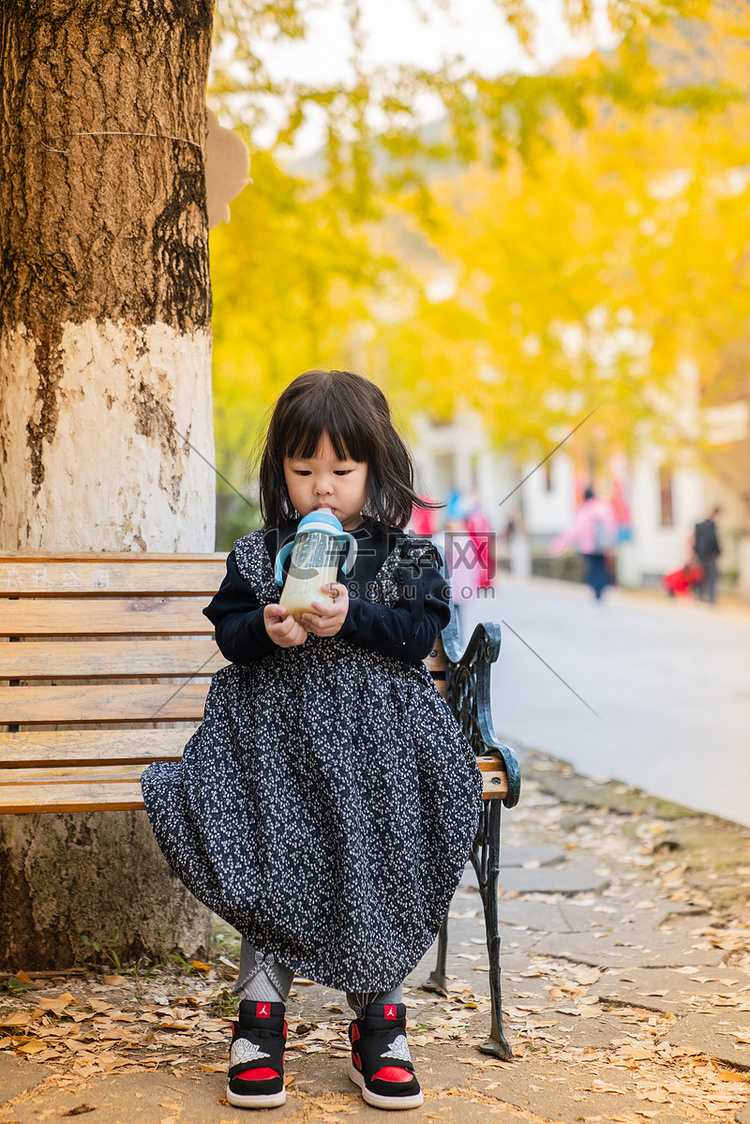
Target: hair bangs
pixel 330 409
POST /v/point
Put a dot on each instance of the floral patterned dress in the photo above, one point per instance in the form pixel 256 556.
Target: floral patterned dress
pixel 327 804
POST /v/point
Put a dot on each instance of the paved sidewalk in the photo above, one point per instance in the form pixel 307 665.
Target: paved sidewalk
pixel 667 678
pixel 626 931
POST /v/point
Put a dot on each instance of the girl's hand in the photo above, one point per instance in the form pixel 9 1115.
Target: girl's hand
pixel 282 628
pixel 330 614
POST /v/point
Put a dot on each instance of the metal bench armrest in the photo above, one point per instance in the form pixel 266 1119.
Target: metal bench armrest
pixel 469 696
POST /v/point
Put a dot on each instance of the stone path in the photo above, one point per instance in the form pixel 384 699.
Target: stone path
pixel 626 968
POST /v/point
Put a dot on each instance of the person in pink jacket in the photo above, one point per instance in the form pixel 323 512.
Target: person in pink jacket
pixel 593 533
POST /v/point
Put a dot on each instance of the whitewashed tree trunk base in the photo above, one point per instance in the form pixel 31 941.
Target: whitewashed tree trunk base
pixel 117 472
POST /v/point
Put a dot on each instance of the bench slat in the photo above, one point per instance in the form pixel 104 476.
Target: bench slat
pixel 75 774
pixel 106 747
pixel 33 576
pixel 62 789
pixel 131 702
pixel 114 797
pixel 132 557
pixel 494 777
pixel 112 616
pixel 113 659
pixel 435 664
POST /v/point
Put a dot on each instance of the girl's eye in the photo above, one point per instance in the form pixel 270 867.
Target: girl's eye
pixel 341 471
pixel 302 472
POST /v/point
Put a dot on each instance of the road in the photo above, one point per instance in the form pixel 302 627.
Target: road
pixel 669 681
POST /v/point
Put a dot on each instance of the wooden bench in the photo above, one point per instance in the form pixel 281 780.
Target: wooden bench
pixel 101 655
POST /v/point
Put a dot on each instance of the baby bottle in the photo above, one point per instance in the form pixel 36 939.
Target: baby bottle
pixel 314 563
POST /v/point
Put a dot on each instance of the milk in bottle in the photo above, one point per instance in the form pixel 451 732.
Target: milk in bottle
pixel 314 562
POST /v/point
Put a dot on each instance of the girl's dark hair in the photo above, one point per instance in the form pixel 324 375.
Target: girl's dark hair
pixel 355 415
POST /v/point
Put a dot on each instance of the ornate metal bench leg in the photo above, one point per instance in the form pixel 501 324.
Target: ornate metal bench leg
pixel 437 980
pixel 497 1043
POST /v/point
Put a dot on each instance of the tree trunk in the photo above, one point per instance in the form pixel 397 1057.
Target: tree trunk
pixel 105 299
pixel 68 881
pixel 105 391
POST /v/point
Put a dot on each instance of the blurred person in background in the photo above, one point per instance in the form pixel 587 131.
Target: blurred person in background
pixel 483 541
pixel 594 534
pixel 517 546
pixel 707 550
pixel 463 571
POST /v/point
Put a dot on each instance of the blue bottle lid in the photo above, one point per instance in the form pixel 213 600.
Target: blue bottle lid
pixel 322 520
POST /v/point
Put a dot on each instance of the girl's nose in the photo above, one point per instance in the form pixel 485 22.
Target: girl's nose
pixel 323 487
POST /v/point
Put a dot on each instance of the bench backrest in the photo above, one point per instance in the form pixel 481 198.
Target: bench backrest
pixel 104 638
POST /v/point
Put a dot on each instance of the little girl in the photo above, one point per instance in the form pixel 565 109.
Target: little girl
pixel 326 806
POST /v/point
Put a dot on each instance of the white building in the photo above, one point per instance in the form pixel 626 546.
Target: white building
pixel 664 498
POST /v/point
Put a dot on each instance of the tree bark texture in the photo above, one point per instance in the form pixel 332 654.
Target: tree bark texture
pixel 104 281
pixel 100 877
pixel 105 388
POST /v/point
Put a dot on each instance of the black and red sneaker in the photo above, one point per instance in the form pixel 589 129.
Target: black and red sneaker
pixel 256 1057
pixel 381 1063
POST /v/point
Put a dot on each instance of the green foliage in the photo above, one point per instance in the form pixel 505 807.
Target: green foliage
pixel 101 953
pixel 17 987
pixel 225 1003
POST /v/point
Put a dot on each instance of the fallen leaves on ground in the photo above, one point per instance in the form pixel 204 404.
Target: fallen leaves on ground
pixel 87 1028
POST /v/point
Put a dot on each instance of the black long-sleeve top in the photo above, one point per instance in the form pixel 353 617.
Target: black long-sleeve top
pixel 407 630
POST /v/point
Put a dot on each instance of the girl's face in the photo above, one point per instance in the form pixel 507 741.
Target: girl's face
pixel 326 481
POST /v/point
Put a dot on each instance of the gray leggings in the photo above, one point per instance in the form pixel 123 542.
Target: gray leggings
pixel 262 978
